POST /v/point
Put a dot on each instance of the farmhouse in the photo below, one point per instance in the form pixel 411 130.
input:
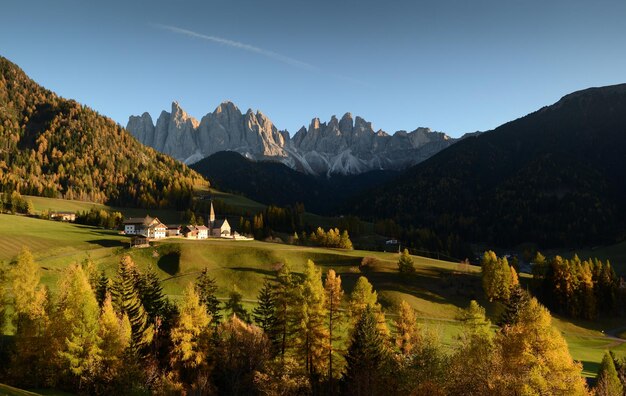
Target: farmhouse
pixel 196 232
pixel 173 230
pixel 146 226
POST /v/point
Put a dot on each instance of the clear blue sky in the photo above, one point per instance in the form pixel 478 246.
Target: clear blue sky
pixel 453 66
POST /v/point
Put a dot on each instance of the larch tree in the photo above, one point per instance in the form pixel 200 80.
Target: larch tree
pixel 115 332
pixel 534 357
pixel 363 295
pixel 405 263
pixel 408 337
pixel 607 380
pixel 473 363
pixel 191 340
pixel 77 322
pixel 334 296
pixel 312 333
pixel 285 296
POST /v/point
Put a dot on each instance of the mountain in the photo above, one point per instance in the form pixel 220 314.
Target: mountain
pixel 346 147
pixel 55 147
pixel 554 177
pixel 275 183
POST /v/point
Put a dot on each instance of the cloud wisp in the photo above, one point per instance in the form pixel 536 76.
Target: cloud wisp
pixel 242 46
pixel 259 51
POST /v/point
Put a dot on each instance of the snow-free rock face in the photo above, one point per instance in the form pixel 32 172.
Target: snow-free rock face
pixel 345 146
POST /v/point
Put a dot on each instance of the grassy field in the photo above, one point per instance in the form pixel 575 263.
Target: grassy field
pixel 437 291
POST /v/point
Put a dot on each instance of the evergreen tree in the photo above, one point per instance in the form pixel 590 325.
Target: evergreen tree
pixel 207 290
pixel 152 297
pixel 77 320
pixel 607 380
pixel 405 263
pixel 334 295
pixel 366 357
pixel 518 299
pixel 102 288
pixel 264 313
pixel 128 302
pixel 191 340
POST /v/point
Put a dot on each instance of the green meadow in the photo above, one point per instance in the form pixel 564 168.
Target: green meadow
pixel 437 290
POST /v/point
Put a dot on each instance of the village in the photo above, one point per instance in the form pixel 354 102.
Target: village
pixel 142 230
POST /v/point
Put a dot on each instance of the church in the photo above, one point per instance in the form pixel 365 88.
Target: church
pixel 218 228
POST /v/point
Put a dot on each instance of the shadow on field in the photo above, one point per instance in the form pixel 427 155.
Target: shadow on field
pixel 268 273
pixel 169 261
pixel 108 243
pixel 438 286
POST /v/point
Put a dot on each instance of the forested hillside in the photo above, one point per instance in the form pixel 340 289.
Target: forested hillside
pixel 554 177
pixel 273 183
pixel 53 147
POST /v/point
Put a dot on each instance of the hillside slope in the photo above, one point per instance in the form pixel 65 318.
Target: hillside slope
pixel 53 147
pixel 554 177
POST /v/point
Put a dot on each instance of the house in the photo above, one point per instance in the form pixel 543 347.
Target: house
pixel 220 228
pixel 63 216
pixel 196 232
pixel 173 230
pixel 203 232
pixel 139 241
pixel 147 226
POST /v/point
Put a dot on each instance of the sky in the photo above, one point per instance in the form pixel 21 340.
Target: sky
pixel 454 66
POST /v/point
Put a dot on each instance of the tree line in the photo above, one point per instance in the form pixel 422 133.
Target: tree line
pixel 304 336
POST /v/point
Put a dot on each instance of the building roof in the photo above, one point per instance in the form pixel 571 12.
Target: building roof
pixel 140 220
pixel 201 228
pixel 220 223
pixel 172 226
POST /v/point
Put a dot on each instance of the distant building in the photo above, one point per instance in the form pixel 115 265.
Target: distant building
pixel 139 241
pixel 220 228
pixel 63 216
pixel 148 227
pixel 174 230
pixel 196 232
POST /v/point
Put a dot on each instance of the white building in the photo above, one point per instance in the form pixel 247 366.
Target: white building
pixel 147 226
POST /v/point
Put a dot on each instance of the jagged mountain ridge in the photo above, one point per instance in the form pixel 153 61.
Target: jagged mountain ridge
pixel 346 146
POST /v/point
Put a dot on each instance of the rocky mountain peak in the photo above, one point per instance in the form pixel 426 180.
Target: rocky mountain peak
pixel 344 146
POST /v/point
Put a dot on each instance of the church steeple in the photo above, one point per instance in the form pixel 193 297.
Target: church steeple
pixel 211 215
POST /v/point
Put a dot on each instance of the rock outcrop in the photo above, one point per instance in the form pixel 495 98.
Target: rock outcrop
pixel 345 146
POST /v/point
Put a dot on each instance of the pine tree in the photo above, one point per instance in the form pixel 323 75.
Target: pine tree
pixel 607 380
pixel 191 338
pixel 408 336
pixel 152 297
pixel 102 288
pixel 312 333
pixel 518 299
pixel 366 356
pixel 128 302
pixel 77 320
pixel 207 290
pixel 264 313
pixel 334 295
pixel 405 263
